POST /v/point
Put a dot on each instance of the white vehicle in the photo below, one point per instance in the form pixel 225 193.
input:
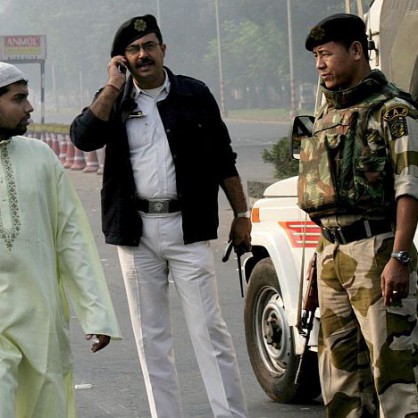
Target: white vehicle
pixel 284 239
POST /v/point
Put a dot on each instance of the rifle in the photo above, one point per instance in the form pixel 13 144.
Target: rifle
pixel 309 308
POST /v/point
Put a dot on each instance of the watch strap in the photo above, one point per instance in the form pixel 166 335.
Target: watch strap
pixel 245 214
pixel 402 256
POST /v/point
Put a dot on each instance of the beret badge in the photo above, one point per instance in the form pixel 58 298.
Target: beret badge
pixel 140 25
pixel 317 33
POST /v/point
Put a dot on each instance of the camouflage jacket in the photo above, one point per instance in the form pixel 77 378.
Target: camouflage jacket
pixel 363 153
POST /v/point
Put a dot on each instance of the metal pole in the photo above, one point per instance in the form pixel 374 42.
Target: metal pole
pixel 291 71
pixel 221 81
pixel 347 6
pixel 54 87
pixel 42 91
pixel 158 12
pixel 80 75
pixel 360 8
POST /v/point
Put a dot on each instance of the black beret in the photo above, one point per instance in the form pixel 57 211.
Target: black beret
pixel 133 29
pixel 339 27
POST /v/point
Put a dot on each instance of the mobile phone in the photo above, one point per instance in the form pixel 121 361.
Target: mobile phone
pixel 122 68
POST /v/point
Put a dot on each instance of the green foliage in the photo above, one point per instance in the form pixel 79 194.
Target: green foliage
pixel 284 165
pixel 249 66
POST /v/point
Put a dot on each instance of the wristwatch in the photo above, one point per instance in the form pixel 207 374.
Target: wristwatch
pixel 245 214
pixel 402 256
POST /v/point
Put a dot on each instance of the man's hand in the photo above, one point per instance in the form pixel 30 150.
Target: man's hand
pixel 103 104
pixel 240 234
pixel 395 276
pixel 394 282
pixel 117 71
pixel 101 342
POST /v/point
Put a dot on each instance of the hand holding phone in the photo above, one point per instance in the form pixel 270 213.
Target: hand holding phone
pixel 121 68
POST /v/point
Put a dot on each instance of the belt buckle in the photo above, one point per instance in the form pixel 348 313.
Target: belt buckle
pixel 159 206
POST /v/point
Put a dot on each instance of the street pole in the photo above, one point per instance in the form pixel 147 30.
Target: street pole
pixel 347 6
pixel 54 88
pixel 43 91
pixel 80 75
pixel 360 8
pixel 221 81
pixel 158 12
pixel 291 71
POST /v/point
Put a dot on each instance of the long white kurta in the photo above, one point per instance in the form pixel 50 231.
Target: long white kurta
pixel 46 244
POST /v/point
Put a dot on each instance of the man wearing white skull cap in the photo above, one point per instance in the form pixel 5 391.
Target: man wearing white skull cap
pixel 46 251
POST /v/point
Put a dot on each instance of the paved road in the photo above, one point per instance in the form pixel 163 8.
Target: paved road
pixel 117 387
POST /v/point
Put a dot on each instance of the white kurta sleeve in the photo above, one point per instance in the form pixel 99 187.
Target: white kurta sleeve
pixel 78 263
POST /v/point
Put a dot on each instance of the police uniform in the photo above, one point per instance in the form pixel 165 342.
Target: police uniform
pixel 363 156
pixel 167 150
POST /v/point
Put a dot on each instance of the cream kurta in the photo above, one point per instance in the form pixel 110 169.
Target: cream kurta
pixel 45 245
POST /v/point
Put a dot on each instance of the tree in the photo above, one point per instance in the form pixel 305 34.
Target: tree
pixel 252 61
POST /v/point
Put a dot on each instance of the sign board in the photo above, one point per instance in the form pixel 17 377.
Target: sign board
pixel 23 48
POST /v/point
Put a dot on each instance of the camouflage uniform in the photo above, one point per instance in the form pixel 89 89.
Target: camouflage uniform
pixel 363 155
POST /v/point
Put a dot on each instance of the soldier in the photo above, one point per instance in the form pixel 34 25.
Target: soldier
pixel 358 181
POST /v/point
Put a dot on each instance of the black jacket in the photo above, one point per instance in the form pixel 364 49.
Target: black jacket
pixel 201 150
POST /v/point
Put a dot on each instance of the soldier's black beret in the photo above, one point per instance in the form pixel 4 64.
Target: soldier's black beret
pixel 338 27
pixel 132 29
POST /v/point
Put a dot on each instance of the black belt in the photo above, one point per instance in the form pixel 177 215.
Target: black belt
pixel 158 205
pixel 355 232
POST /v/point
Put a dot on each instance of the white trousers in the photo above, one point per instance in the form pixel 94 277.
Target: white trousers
pixel 145 271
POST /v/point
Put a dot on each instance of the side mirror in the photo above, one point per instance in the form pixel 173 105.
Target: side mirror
pixel 302 127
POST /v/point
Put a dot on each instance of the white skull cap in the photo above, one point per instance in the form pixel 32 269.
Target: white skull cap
pixel 9 74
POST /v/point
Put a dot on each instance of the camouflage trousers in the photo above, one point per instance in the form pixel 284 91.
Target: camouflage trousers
pixel 368 356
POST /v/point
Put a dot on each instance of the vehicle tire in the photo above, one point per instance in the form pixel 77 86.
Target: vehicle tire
pixel 270 341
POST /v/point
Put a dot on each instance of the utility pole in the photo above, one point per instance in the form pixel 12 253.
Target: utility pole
pixel 158 12
pixel 80 79
pixel 359 7
pixel 291 71
pixel 221 80
pixel 347 6
pixel 54 88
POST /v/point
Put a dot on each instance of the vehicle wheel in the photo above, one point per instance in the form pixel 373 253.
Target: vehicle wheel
pixel 270 342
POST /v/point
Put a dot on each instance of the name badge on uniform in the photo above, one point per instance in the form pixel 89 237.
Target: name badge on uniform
pixel 136 114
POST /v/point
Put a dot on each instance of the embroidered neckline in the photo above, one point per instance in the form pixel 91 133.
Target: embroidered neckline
pixel 8 235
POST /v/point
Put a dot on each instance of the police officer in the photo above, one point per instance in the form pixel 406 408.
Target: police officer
pixel 359 181
pixel 167 153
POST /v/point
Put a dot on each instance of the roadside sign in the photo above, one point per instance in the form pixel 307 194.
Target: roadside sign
pixel 23 48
